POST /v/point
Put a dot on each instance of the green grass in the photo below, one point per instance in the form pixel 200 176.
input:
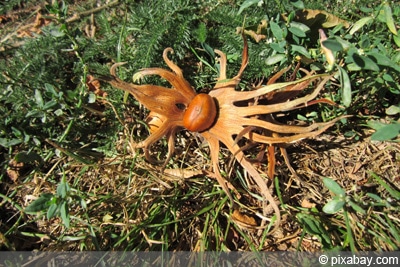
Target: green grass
pixel 71 181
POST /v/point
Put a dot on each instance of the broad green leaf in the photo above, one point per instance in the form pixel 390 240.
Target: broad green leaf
pixel 4 142
pixel 278 47
pixel 346 87
pixel 345 44
pixel 275 59
pixel 39 98
pixel 27 157
pixel 58 112
pixel 298 4
pixel 333 45
pixel 386 132
pixel 389 18
pixel 360 23
pixel 334 187
pixel 301 117
pixel 375 197
pixel 387 77
pixel 276 30
pixel 49 104
pixel 247 4
pixel 365 62
pixel 357 207
pixel 393 110
pixel 208 49
pixel 300 26
pixel 376 125
pixel 50 89
pixel 297 32
pixel 36 113
pixel 334 205
pixel 51 212
pixel 83 204
pixel 64 213
pixel 353 67
pixel 396 39
pixel 383 60
pixel 298 29
pixel 16 132
pixel 39 204
pixel 63 188
pixel 301 50
pixel 312 225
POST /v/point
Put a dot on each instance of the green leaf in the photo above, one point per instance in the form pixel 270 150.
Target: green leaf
pixel 364 62
pixel 298 29
pixel 386 132
pixel 39 98
pixel 63 188
pixel 276 30
pixel 346 87
pixel 27 157
pixel 297 4
pixel 334 187
pixel 376 125
pixel 396 39
pixel 301 117
pixel 39 204
pixel 209 50
pixel 57 32
pixel 394 193
pixel 278 47
pixel 314 227
pixel 51 212
pixel 344 44
pixel 4 142
pixel 360 23
pixel 356 207
pixel 50 89
pixel 49 104
pixel 92 98
pixel 375 197
pixel 389 18
pixel 333 45
pixel 334 205
pixel 275 59
pixel 247 4
pixel 58 112
pixel 64 213
pixel 83 204
pixel 383 60
pixel 36 113
pixel 393 110
pixel 301 50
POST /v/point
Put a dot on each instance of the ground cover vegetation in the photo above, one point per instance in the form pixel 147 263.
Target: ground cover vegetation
pixel 71 178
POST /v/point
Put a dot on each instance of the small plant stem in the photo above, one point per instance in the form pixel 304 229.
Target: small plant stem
pixel 121 37
pixel 349 232
pixel 66 131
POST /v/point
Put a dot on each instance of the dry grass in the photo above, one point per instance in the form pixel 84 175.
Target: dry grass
pixel 133 205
